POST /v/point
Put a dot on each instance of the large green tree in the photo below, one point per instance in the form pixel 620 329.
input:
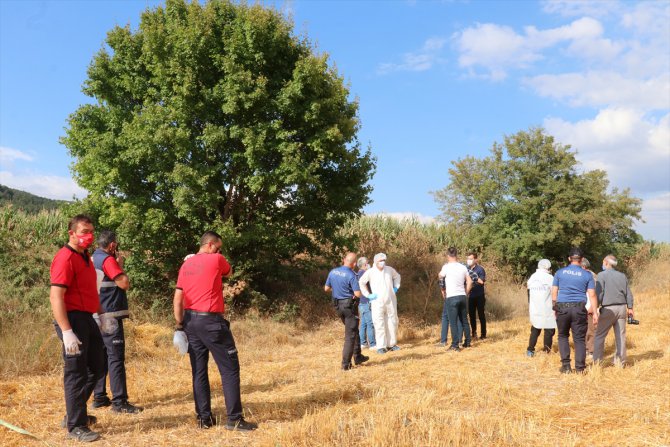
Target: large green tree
pixel 217 116
pixel 529 200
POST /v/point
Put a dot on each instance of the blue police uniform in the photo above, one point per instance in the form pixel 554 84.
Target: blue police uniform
pixel 572 282
pixel 344 282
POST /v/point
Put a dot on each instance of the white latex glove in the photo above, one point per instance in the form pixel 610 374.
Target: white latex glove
pixel 71 342
pixel 180 341
pixel 108 324
pixel 96 317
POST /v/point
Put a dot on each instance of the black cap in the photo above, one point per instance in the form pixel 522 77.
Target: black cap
pixel 576 252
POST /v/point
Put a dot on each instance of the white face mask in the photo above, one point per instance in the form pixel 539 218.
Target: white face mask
pixel 381 264
pixel 470 262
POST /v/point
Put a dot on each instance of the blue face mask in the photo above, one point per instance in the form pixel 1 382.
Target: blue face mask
pixel 604 267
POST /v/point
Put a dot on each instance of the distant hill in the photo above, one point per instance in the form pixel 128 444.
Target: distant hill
pixel 29 203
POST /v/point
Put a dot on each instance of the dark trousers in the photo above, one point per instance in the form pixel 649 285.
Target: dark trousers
pixel 211 333
pixel 458 313
pixel 572 318
pixel 535 333
pixel 78 368
pixel 115 365
pixel 347 310
pixel 477 303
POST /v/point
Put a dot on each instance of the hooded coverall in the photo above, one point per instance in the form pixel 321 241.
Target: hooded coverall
pixel 385 307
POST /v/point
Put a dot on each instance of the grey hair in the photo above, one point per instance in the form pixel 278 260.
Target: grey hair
pixel 361 262
pixel 585 263
pixel 611 260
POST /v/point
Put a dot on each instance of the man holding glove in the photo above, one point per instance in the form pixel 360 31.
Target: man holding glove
pixel 112 289
pixel 74 300
pixel 198 309
pixel 385 281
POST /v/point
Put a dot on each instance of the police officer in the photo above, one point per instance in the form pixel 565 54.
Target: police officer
pixel 198 310
pixel 109 267
pixel 343 283
pixel 74 300
pixel 568 294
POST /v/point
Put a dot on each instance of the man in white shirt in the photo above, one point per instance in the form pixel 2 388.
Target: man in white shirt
pixel 457 284
pixel 540 307
pixel 385 281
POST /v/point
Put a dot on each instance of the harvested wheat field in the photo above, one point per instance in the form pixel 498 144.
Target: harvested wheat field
pixel 491 394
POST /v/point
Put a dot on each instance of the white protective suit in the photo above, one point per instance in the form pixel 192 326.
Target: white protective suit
pixel 384 308
pixel 541 314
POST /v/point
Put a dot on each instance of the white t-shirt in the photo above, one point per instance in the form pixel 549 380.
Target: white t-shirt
pixel 454 274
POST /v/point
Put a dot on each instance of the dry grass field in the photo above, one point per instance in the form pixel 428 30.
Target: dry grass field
pixel 491 394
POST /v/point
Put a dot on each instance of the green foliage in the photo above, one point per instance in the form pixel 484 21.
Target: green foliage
pixel 25 201
pixel 528 201
pixel 28 243
pixel 217 117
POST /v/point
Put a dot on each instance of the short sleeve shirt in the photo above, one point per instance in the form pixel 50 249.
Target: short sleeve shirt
pixel 343 281
pixel 75 272
pixel 200 278
pixel 111 268
pixel 573 282
pixel 477 289
pixel 454 274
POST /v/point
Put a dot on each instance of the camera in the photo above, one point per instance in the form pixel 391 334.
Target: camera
pixel 632 321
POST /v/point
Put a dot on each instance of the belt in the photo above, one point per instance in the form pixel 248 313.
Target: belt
pixel 565 305
pixel 202 314
pixel 615 304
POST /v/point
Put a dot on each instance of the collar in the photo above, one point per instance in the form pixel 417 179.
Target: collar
pixel 84 254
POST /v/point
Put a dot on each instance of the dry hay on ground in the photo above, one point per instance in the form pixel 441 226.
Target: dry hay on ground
pixel 491 394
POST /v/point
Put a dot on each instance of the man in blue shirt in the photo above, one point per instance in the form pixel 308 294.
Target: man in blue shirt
pixel 477 297
pixel 568 293
pixel 366 331
pixel 343 283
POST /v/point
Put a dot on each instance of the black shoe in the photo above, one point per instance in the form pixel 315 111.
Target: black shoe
pixel 206 423
pixel 126 407
pixel 91 421
pixel 451 348
pixel 101 402
pixel 483 337
pixel 346 367
pixel 565 370
pixel 83 434
pixel 241 425
pixel 467 345
pixel 361 359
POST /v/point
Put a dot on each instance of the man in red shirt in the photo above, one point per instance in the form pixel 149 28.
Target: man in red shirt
pixel 198 310
pixel 74 299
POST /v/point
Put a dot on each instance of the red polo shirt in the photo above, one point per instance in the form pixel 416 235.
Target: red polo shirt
pixel 200 280
pixel 75 272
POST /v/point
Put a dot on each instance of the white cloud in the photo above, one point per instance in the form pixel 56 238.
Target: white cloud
pixel 656 213
pixel 9 155
pixel 408 215
pixel 498 48
pixel 597 89
pixel 632 148
pixel 572 8
pixel 50 186
pixel 421 60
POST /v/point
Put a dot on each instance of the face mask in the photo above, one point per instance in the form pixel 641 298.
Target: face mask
pixel 85 240
pixel 381 264
pixel 604 267
pixel 470 262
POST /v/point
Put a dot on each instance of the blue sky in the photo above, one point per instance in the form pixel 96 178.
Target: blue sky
pixel 436 81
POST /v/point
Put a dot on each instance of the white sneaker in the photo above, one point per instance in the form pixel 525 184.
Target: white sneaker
pixel 373 347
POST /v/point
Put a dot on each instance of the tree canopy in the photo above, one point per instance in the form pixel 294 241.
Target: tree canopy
pixel 217 116
pixel 528 200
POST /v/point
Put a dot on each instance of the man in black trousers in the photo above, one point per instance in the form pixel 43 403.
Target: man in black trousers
pixel 343 283
pixel 198 309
